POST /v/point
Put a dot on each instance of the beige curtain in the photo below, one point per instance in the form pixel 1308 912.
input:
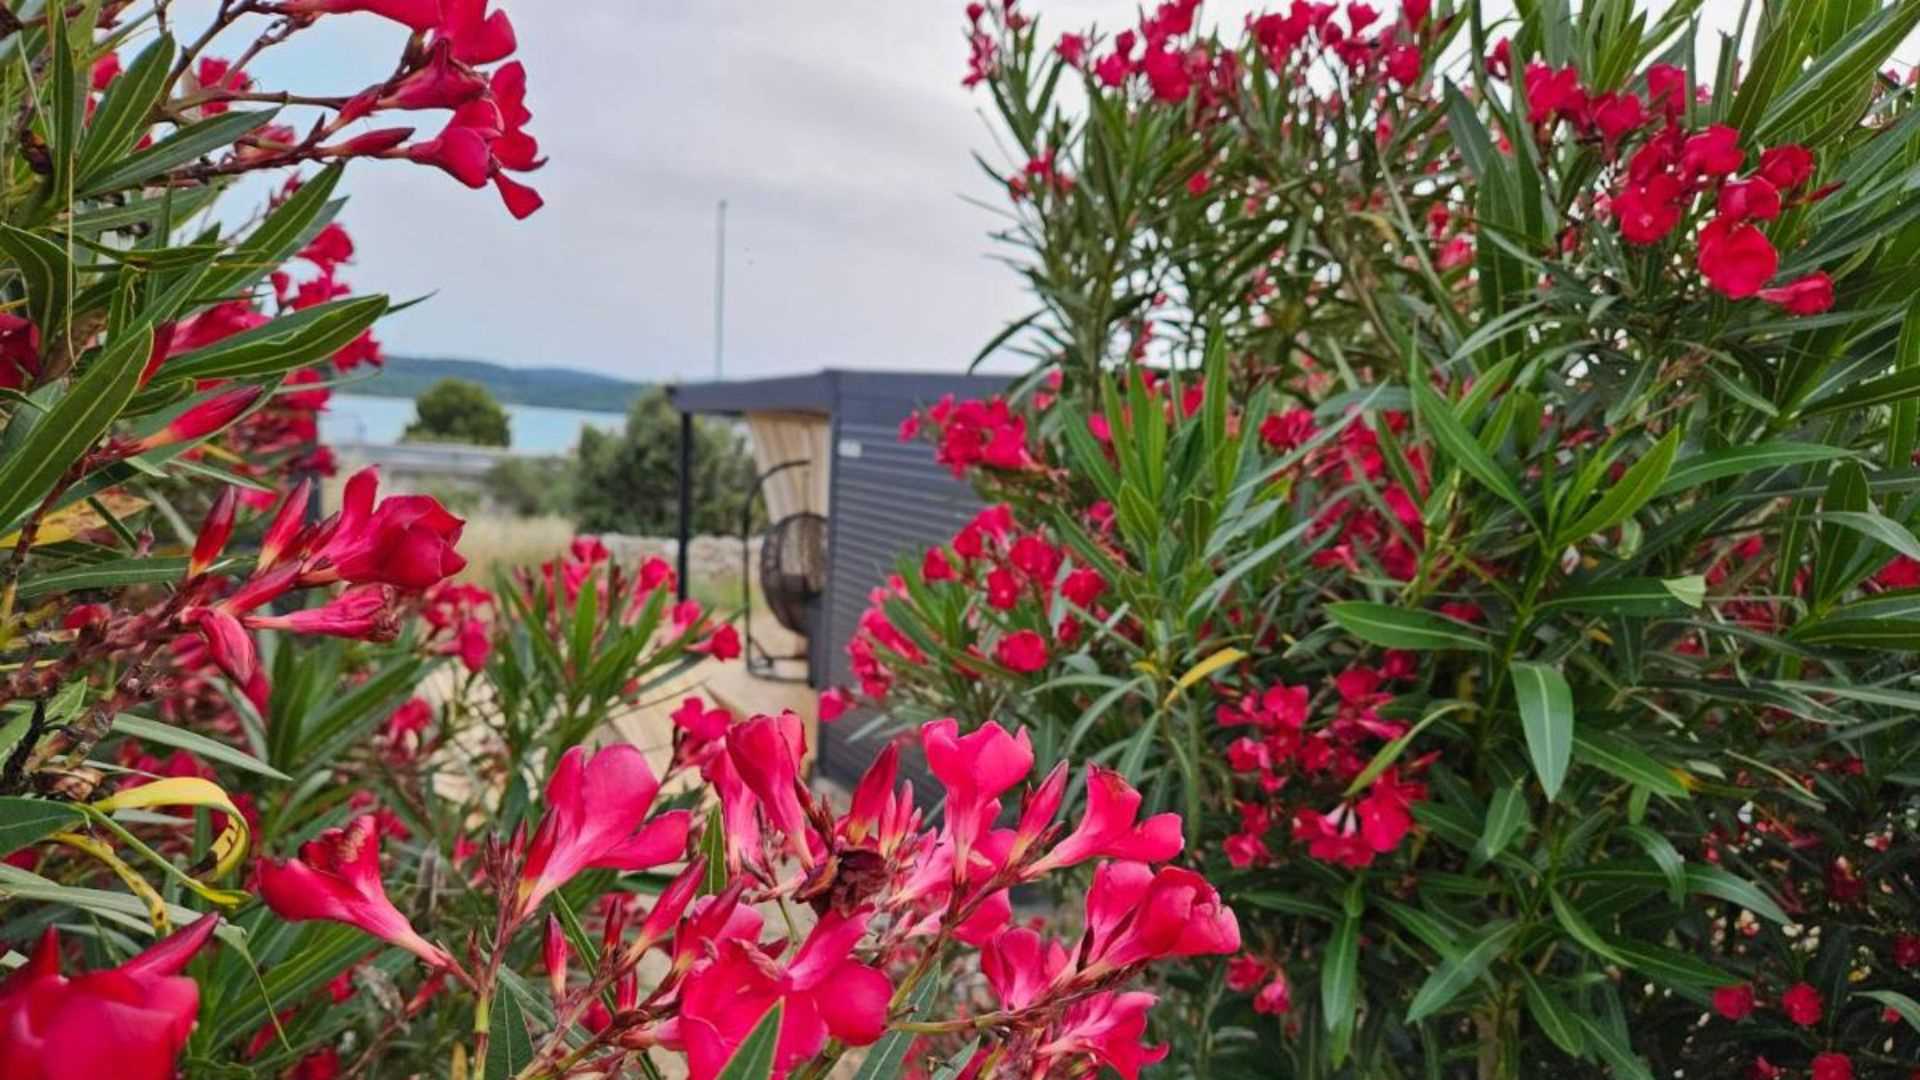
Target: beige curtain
pixel 780 437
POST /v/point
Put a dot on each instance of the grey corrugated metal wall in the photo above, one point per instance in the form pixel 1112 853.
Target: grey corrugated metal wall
pixel 889 499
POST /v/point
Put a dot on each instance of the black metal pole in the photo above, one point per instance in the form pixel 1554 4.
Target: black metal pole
pixel 686 499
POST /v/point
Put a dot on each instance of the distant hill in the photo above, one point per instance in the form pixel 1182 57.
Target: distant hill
pixel 559 388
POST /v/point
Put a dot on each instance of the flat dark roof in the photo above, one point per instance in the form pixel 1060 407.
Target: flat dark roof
pixel 827 391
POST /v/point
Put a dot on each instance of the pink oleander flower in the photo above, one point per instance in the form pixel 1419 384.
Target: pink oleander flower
pixel 824 990
pixel 1109 1029
pixel 1109 829
pixel 128 1022
pixel 440 83
pixel 475 36
pixel 337 878
pixel 1808 295
pixel 406 541
pixel 1136 915
pixel 766 753
pixel 976 769
pixel 597 817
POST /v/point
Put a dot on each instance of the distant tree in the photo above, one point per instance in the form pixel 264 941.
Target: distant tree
pixel 530 486
pixel 455 410
pixel 629 481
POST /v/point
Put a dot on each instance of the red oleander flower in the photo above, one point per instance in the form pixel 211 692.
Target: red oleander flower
pixel 1667 88
pixel 1024 651
pixel 1832 1066
pixel 1802 1004
pixel 1906 950
pixel 1755 197
pixel 722 643
pixel 1788 167
pixel 337 878
pixel 228 644
pixel 834 703
pixel 1618 115
pixel 1246 971
pixel 1083 586
pixel 1734 1002
pixel 597 817
pixel 1403 64
pixel 1808 295
pixel 1648 211
pixel 935 566
pixel 1714 152
pixel 1072 48
pixel 1275 998
pixel 1167 75
pixel 1736 259
pixel 701 723
pixel 128 1022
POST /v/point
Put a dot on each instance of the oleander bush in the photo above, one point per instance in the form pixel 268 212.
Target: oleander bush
pixel 282 797
pixel 1467 471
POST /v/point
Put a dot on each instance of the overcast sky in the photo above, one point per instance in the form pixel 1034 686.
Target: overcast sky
pixel 838 133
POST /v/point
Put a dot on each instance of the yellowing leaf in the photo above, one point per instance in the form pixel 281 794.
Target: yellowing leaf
pixel 228 848
pixel 156 907
pixel 1204 668
pixel 69 522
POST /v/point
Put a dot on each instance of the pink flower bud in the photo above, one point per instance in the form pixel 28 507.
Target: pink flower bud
pixel 871 797
pixel 557 952
pixel 420 15
pixel 373 142
pixel 364 612
pixel 203 419
pixel 670 905
pixel 227 642
pixel 214 532
pixel 286 524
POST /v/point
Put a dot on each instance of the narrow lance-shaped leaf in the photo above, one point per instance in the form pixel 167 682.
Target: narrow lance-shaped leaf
pixel 1437 417
pixel 1457 973
pixel 1546 715
pixel 1398 628
pixel 1623 499
pixel 71 427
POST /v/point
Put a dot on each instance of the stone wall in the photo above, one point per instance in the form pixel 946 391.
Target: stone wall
pixel 709 557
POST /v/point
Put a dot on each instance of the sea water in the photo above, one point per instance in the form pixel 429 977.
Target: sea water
pixel 535 429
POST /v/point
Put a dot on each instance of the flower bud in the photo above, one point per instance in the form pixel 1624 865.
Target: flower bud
pixel 203 419
pixel 669 906
pixel 556 959
pixel 214 532
pixel 285 526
